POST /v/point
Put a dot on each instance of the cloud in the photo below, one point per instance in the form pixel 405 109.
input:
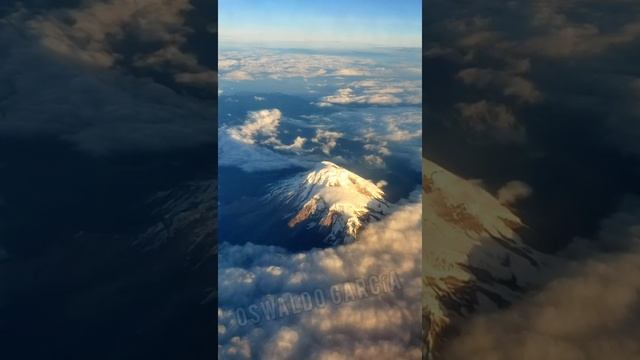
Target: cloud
pixel 591 312
pixel 382 327
pixel 381 148
pixel 250 145
pixel 510 83
pixel 240 65
pixel 374 160
pixel 295 146
pixel 327 138
pixel 494 119
pixel 565 38
pixel 92 99
pixel 100 111
pixel 403 127
pixel 513 191
pixel 226 64
pixel 90 33
pixel 534 56
pixel 259 123
pixel 376 92
pixel 238 75
pixel 350 72
pixel 208 78
pixel 251 157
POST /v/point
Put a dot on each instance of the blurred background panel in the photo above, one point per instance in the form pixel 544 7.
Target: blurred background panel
pixel 531 178
pixel 108 168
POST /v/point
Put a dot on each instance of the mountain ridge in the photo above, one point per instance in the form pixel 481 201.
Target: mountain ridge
pixel 332 198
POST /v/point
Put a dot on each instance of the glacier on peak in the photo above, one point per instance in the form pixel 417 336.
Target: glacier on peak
pixel 473 258
pixel 331 197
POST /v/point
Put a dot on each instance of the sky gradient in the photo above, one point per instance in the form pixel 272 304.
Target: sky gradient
pixel 329 23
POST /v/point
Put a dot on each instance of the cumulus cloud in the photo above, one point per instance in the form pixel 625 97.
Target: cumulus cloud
pixel 564 37
pixel 90 101
pixel 262 127
pixel 376 92
pixel 374 160
pixel 295 146
pixel 206 78
pixel 385 326
pixel 380 148
pixel 100 111
pixel 251 145
pixel 328 139
pixel 591 312
pixel 259 123
pixel 511 83
pixel 238 75
pixel 243 65
pixel 403 127
pixel 536 52
pixel 93 32
pixel 350 72
pixel 513 191
pixel 251 157
pixel 494 119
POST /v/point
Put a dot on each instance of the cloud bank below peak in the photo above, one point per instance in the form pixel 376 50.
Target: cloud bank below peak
pixel 386 327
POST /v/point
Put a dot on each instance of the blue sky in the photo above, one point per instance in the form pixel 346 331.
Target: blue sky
pixel 331 23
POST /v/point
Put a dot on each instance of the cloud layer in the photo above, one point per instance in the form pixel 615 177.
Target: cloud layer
pixel 241 65
pixel 89 101
pixel 590 312
pixel 384 327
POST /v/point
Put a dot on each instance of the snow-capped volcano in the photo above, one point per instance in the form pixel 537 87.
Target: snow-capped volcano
pixel 473 258
pixel 185 215
pixel 331 198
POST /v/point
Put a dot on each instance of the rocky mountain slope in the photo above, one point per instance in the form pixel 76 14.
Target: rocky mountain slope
pixel 330 199
pixel 473 258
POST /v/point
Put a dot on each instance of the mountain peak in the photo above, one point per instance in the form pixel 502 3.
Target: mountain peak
pixel 475 259
pixel 332 198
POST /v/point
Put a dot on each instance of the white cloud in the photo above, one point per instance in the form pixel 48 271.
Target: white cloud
pixel 385 326
pixel 590 312
pixel 207 78
pixel 295 146
pixel 496 120
pixel 375 92
pixel 399 126
pixel 90 32
pixel 259 123
pixel 271 64
pixel 251 157
pixel 380 148
pixel 350 72
pixel 226 64
pixel 327 138
pixel 513 191
pixel 374 160
pixel 238 75
pixel 511 82
pixel 250 146
pixel 100 111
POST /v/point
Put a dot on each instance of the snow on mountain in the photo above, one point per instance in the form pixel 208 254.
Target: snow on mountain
pixel 473 258
pixel 187 214
pixel 331 198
